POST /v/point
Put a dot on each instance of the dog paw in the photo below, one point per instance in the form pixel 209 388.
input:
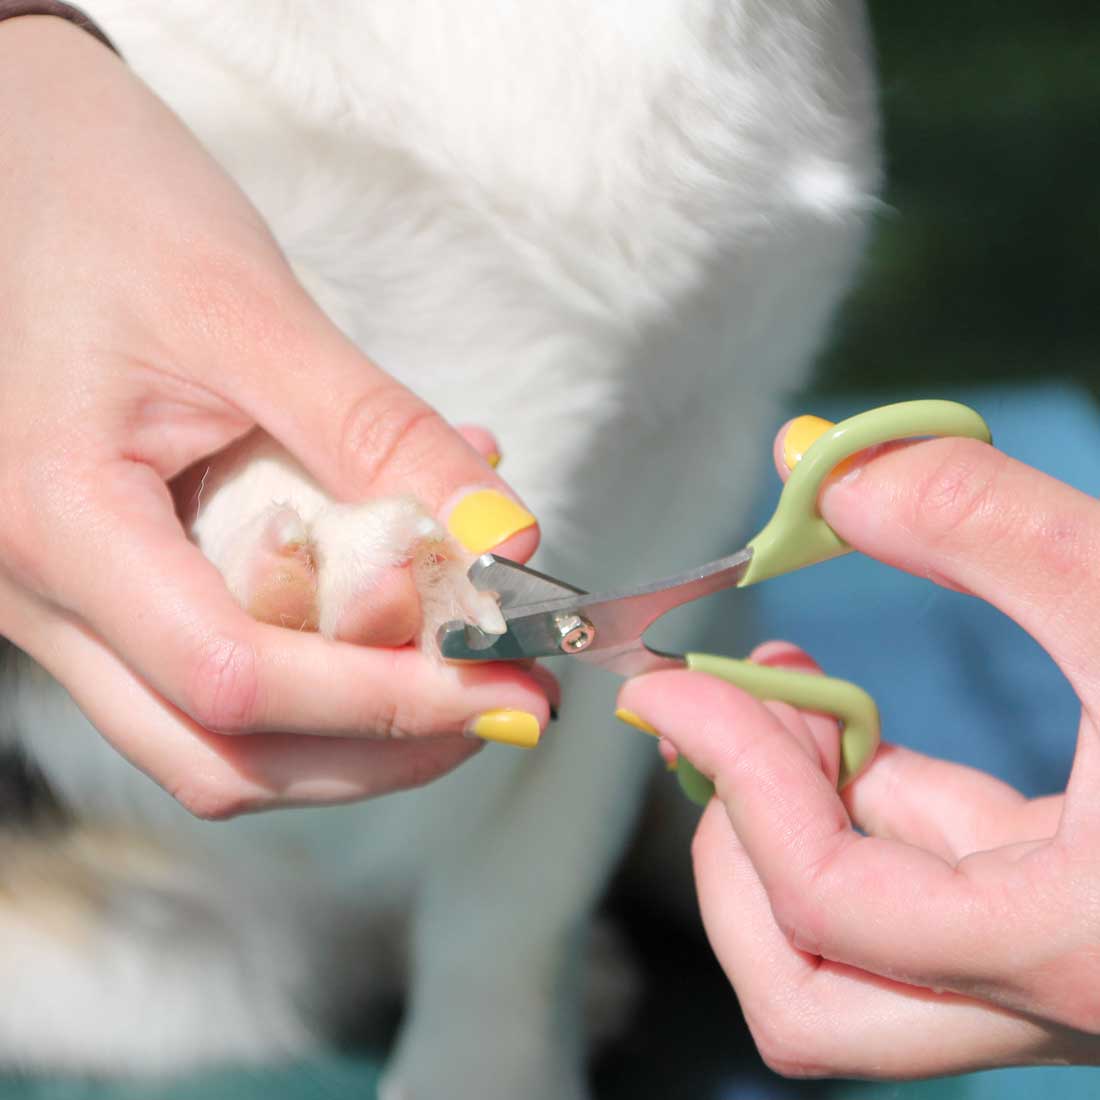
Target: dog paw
pixel 271 568
pixel 382 571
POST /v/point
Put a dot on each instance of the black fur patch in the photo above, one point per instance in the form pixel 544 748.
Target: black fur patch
pixel 25 798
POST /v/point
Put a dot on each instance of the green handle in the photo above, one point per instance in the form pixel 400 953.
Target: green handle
pixel 851 705
pixel 796 535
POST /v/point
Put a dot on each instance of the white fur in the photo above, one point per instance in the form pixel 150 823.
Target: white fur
pixel 613 233
pixel 259 498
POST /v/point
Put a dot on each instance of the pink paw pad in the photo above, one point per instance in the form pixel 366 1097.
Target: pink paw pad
pixel 279 581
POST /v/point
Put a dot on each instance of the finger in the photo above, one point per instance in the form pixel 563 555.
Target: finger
pixel 669 754
pixel 797 435
pixel 965 515
pixel 948 809
pixel 217 776
pixel 815 1018
pixel 817 733
pixel 823 728
pixel 888 908
pixel 359 431
pixel 386 614
pixel 195 646
pixel 550 685
pixel 483 441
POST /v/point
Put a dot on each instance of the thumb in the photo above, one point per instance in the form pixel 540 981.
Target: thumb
pixel 722 730
pixel 969 517
pixel 361 433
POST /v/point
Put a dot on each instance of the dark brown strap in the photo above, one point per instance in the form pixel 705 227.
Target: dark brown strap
pixel 9 9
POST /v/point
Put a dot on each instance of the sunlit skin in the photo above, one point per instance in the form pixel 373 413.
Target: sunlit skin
pixel 961 931
pixel 149 323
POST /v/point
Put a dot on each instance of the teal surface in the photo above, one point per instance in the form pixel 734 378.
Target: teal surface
pixel 1057 1083
pixel 319 1080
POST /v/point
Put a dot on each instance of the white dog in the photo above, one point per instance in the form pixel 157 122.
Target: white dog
pixel 611 232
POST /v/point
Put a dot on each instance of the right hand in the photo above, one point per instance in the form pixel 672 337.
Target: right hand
pixel 928 919
pixel 147 320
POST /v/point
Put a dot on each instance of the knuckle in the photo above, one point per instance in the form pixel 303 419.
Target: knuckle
pixel 957 497
pixel 798 918
pixel 387 722
pixel 387 718
pixel 387 429
pixel 801 901
pixel 224 691
pixel 1069 544
pixel 786 1045
pixel 215 801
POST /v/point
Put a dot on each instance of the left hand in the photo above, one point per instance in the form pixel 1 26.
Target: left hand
pixel 958 929
pixel 148 321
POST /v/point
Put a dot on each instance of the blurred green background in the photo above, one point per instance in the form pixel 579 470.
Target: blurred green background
pixel 983 268
pixel 984 263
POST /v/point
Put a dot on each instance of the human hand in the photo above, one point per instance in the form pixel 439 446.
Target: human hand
pixel 147 320
pixel 960 932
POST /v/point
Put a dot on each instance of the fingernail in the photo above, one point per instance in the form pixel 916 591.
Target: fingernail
pixel 672 765
pixel 507 727
pixel 485 518
pixel 493 458
pixel 632 719
pixel 803 433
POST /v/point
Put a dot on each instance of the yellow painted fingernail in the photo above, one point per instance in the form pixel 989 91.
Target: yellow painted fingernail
pixel 632 719
pixel 485 518
pixel 803 433
pixel 493 458
pixel 508 727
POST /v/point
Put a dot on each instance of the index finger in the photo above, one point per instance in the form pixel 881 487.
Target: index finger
pixel 358 430
pixel 879 905
pixel 969 517
pixel 216 776
pixel 156 601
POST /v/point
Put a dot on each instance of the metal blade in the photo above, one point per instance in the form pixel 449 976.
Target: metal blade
pixel 633 660
pixel 516 588
pixel 580 623
pixel 516 585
